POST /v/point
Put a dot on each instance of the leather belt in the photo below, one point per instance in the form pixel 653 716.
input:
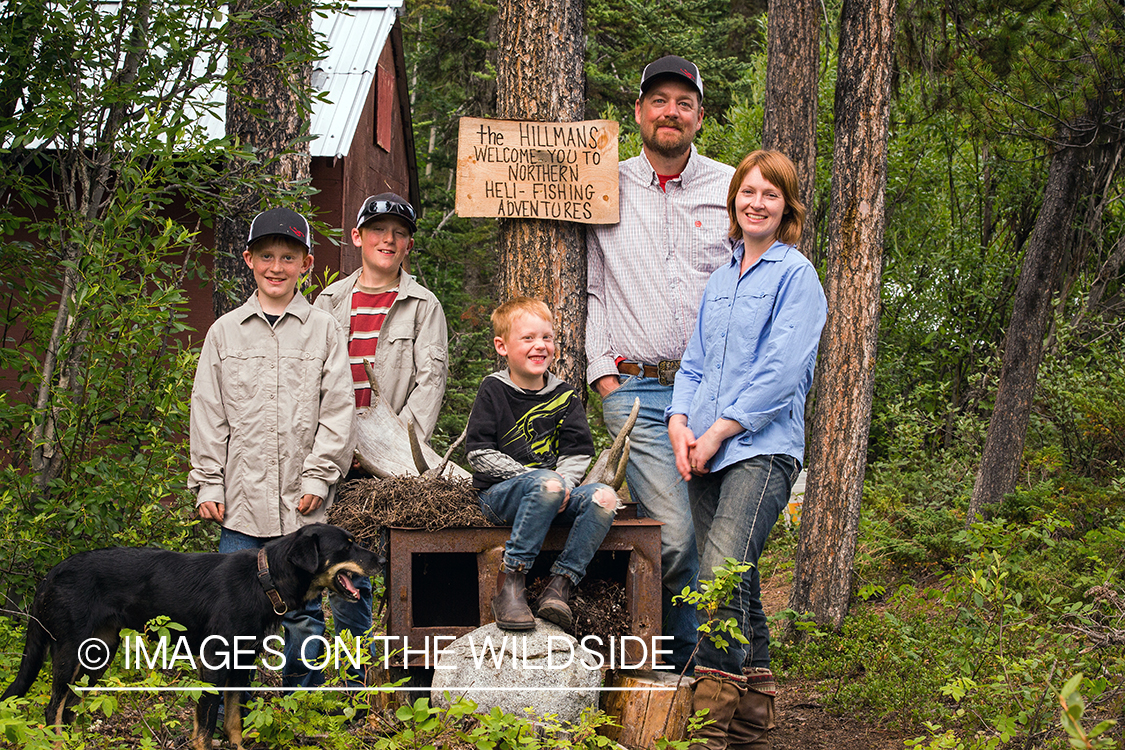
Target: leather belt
pixel 664 370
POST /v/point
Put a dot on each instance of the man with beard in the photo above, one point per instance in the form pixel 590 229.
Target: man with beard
pixel 646 278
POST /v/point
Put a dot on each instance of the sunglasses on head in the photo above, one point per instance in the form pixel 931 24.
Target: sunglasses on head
pixel 378 208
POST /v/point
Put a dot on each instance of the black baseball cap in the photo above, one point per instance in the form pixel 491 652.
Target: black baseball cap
pixel 280 221
pixel 675 66
pixel 387 204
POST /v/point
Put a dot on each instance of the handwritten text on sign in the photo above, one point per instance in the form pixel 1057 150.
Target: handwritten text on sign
pixel 538 170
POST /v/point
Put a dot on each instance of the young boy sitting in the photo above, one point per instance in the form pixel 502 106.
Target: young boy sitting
pixel 272 406
pixel 528 445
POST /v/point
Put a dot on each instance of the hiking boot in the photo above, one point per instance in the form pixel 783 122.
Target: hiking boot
pixel 720 694
pixel 509 605
pixel 754 716
pixel 553 602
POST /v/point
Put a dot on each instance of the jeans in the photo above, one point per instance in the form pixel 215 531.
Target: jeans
pixel 530 503
pixel 734 510
pixel 662 494
pixel 301 625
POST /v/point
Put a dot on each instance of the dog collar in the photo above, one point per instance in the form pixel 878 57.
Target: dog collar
pixel 279 606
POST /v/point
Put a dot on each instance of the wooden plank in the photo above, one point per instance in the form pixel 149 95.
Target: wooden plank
pixel 641 711
pixel 562 171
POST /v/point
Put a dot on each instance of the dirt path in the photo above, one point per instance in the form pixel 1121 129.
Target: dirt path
pixel 802 722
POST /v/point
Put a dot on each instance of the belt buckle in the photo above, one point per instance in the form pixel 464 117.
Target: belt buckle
pixel 666 371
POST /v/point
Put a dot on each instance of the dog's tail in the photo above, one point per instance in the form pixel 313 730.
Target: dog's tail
pixel 34 652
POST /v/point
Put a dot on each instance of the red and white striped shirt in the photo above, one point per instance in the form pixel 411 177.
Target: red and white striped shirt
pixel 369 310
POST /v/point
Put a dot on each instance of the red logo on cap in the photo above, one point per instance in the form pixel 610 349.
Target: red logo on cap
pixel 296 231
pixel 687 74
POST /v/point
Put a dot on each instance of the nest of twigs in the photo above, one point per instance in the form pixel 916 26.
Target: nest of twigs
pixel 364 506
pixel 598 606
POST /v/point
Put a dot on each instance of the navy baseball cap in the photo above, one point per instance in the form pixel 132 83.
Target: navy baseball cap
pixel 280 221
pixel 675 66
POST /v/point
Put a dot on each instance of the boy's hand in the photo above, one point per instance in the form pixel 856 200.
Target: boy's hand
pixel 562 505
pixel 211 511
pixel 308 504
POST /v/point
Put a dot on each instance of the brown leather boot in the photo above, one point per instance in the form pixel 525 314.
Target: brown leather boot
pixel 754 716
pixel 509 605
pixel 553 604
pixel 720 695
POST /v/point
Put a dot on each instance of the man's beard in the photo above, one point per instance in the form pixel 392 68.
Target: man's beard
pixel 669 150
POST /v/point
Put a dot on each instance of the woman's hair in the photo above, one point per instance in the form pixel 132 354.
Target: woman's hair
pixel 505 315
pixel 779 171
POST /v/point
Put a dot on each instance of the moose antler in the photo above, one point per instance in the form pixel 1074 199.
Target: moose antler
pixel 388 447
pixel 610 466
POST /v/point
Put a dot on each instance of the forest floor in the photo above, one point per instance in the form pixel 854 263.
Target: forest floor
pixel 803 723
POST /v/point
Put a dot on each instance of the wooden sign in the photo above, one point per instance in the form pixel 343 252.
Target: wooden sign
pixel 565 171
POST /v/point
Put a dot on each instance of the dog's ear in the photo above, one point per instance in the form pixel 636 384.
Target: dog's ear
pixel 304 553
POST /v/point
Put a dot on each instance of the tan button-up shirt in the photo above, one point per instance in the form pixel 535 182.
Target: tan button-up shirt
pixel 271 416
pixel 410 360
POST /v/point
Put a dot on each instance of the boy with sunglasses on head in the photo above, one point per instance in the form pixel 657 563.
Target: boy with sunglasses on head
pixel 397 324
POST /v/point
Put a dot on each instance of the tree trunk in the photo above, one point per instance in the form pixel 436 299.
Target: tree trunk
pixel 542 47
pixel 268 115
pixel 793 53
pixel 1023 344
pixel 840 425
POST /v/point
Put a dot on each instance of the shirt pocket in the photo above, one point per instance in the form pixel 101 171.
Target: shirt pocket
pixel 710 247
pixel 300 385
pixel 751 314
pixel 716 319
pixel 243 374
pixel 396 349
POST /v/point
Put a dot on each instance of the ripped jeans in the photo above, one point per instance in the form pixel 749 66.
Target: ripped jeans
pixel 530 504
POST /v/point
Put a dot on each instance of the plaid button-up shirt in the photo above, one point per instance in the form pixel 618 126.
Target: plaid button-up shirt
pixel 646 274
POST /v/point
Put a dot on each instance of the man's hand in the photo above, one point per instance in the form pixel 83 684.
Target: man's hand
pixel 308 504
pixel 606 385
pixel 212 511
pixel 683 440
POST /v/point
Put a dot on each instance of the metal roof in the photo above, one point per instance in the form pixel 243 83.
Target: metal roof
pixel 355 38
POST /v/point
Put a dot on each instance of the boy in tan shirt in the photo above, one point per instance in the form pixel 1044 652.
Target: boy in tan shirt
pixel 271 411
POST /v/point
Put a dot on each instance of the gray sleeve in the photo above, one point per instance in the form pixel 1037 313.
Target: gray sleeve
pixel 494 464
pixel 572 469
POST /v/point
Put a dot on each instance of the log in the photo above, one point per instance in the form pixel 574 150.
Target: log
pixel 641 711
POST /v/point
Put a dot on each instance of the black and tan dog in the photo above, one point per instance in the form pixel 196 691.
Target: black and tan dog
pixel 243 594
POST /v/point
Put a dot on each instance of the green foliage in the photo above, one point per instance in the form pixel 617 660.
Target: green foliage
pixel 625 35
pixel 1007 606
pixel 105 149
pixel 713 593
pixel 1071 717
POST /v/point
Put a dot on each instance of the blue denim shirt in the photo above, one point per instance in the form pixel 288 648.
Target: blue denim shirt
pixel 752 355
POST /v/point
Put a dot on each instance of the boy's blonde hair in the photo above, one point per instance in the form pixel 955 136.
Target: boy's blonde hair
pixel 504 315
